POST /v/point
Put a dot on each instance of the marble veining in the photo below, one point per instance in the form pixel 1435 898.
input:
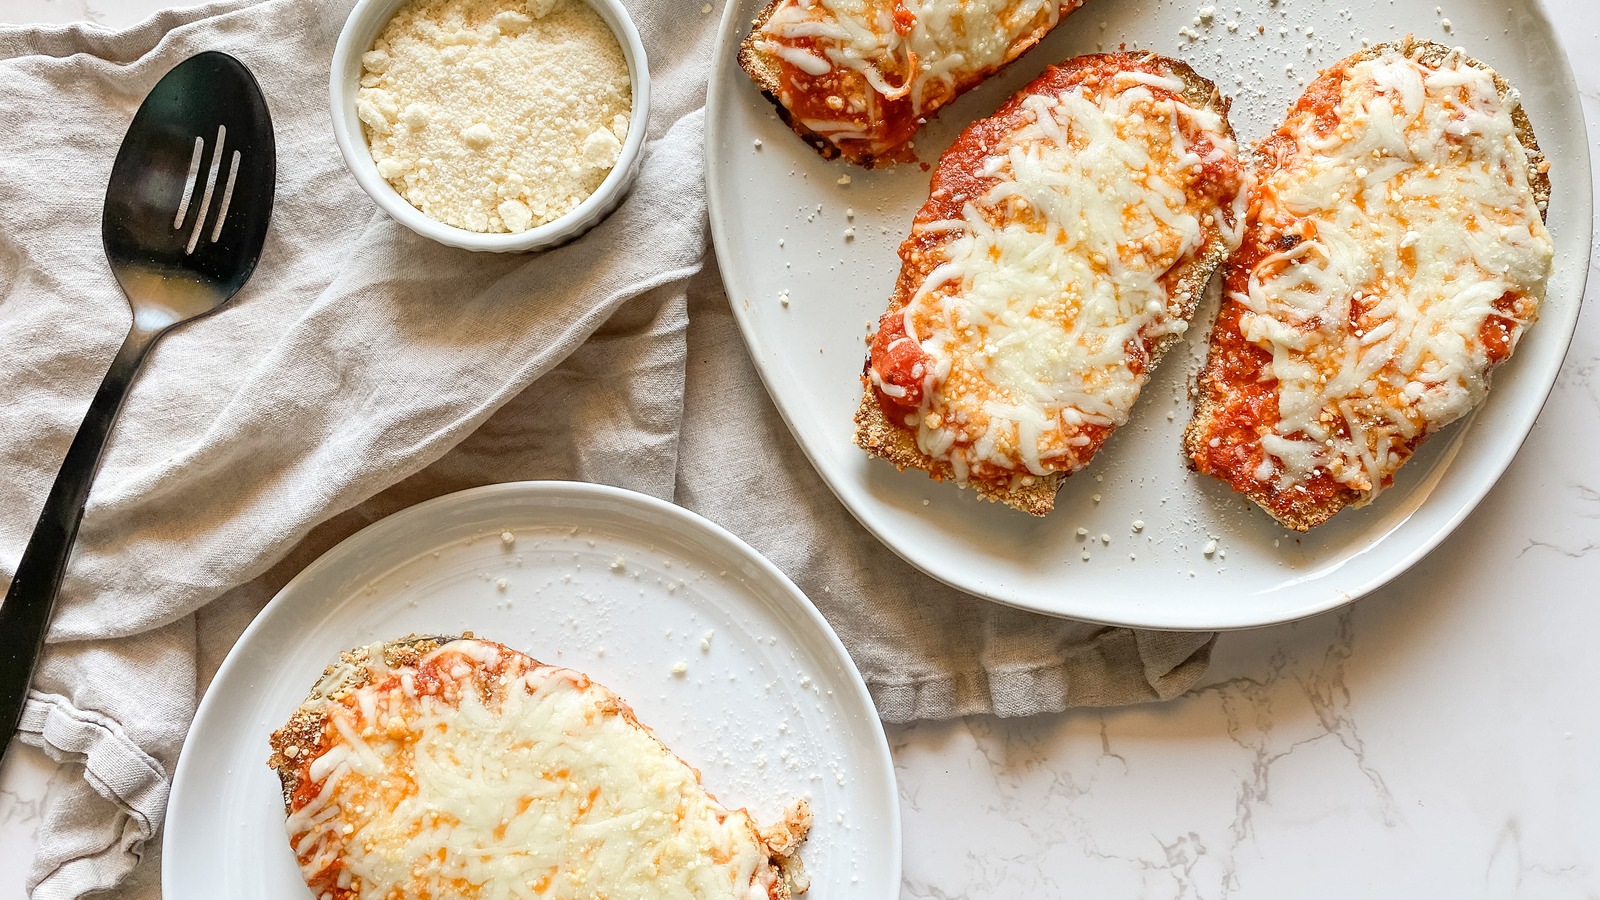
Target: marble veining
pixel 21 810
pixel 1076 772
pixel 1254 785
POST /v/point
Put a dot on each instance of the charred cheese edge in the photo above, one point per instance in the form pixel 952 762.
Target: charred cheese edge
pixel 438 767
pixel 857 78
pixel 1062 250
pixel 1394 254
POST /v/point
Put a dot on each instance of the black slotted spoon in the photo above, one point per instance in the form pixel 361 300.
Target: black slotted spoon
pixel 185 216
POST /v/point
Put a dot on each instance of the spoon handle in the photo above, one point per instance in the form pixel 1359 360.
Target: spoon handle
pixel 25 615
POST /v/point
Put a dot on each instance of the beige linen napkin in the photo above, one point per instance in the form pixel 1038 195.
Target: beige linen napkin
pixel 364 369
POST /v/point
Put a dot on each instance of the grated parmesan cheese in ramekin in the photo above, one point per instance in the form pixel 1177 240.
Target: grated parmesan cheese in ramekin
pixel 495 115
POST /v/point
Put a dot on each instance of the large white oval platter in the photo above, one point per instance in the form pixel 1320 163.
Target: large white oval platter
pixel 612 583
pixel 779 219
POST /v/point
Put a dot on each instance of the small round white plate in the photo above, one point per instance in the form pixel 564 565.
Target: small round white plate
pixel 609 582
pixel 807 250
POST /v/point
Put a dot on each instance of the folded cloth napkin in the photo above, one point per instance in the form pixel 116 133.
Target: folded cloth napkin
pixel 363 369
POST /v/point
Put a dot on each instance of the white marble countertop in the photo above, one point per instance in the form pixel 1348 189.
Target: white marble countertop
pixel 1439 738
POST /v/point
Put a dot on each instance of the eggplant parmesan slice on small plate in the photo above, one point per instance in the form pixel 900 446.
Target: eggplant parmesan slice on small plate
pixel 808 250
pixel 453 765
pixel 437 765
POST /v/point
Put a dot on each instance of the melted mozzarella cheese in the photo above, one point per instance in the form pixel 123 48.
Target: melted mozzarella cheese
pixel 1053 274
pixel 530 780
pixel 1415 216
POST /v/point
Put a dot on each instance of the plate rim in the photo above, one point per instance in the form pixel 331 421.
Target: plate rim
pixel 1495 463
pixel 534 491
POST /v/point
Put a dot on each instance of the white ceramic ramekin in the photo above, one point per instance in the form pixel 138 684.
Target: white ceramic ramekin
pixel 361 29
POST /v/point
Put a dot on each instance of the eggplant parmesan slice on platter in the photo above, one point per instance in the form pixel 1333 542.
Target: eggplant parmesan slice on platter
pixel 1064 245
pixel 856 78
pixel 1394 253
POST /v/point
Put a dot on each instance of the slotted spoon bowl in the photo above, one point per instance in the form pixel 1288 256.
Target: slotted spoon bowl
pixel 185 216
